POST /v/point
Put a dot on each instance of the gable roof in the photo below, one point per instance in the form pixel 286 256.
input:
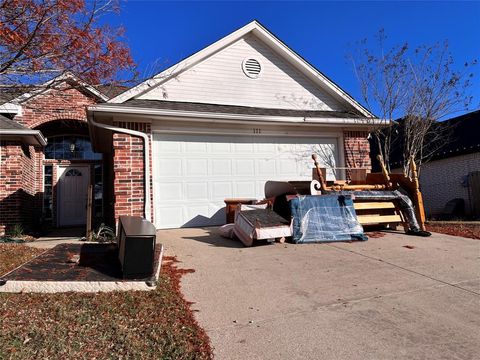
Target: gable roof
pixel 267 37
pixel 16 95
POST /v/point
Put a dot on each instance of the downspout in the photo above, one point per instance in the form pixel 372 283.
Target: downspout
pixel 147 208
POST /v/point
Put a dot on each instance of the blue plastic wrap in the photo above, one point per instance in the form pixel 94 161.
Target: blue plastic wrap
pixel 325 218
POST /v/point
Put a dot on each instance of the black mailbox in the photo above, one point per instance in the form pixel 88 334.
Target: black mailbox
pixel 136 246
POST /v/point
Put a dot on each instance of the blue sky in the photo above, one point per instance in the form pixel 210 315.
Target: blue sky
pixel 164 32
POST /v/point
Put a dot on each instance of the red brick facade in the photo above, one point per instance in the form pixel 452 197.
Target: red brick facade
pixel 18 180
pixel 357 149
pixel 128 168
pixel 21 168
pixel 66 104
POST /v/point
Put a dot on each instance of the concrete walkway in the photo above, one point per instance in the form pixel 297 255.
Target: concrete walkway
pixel 367 300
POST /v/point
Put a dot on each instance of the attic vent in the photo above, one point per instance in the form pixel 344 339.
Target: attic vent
pixel 251 68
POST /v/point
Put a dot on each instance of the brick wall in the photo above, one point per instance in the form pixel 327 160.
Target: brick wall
pixel 357 150
pixel 444 180
pixel 17 185
pixel 22 176
pixel 56 104
pixel 128 168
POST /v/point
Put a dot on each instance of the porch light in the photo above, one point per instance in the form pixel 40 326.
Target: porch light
pixel 72 147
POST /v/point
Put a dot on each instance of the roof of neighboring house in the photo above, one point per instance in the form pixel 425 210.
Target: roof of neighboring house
pixel 111 90
pixel 465 137
pixel 461 137
pixel 229 109
pixel 8 94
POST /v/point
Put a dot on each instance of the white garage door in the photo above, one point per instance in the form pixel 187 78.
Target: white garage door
pixel 193 174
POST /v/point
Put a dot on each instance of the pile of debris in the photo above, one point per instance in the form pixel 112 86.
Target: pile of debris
pixel 321 211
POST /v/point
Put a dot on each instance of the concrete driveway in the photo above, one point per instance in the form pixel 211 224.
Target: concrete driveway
pixel 395 297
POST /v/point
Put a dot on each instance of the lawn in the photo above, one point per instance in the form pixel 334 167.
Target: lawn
pixel 130 325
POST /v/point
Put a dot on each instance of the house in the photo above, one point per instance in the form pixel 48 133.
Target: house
pixel 217 125
pixel 454 171
pixel 36 186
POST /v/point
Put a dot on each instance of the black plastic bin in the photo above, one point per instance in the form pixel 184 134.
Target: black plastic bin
pixel 136 247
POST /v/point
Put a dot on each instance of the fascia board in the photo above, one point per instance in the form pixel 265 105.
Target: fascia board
pixel 40 139
pixel 202 116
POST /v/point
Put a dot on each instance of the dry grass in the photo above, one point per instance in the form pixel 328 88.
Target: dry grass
pixel 122 325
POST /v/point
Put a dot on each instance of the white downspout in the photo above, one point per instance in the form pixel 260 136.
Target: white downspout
pixel 147 208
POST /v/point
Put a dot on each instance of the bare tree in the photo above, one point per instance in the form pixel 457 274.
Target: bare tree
pixel 420 87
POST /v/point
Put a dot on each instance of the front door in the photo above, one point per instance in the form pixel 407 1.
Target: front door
pixel 72 187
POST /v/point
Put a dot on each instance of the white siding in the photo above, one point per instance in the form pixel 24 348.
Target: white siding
pixel 444 180
pixel 220 79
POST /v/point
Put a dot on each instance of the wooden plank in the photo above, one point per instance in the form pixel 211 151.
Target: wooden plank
pixel 373 205
pixel 378 219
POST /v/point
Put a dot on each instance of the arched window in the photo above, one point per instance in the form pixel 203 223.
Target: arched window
pixel 70 148
pixel 73 172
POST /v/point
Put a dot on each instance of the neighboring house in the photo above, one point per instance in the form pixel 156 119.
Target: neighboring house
pixel 217 125
pixel 453 172
pixel 44 141
pixel 450 174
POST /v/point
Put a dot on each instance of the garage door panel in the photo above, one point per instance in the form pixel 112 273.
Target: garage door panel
pixel 221 190
pixel 170 167
pixel 265 167
pixel 196 191
pixel 194 174
pixel 221 167
pixel 244 189
pixel 171 192
pixel 224 148
pixel 244 167
pixel 195 167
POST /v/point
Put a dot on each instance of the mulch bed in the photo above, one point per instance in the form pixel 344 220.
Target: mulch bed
pixel 155 324
pixel 75 262
pixel 467 230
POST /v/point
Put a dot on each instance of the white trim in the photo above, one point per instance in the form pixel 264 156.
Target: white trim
pixel 196 115
pixel 37 134
pixel 257 29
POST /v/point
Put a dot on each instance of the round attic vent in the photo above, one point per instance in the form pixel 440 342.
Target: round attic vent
pixel 252 68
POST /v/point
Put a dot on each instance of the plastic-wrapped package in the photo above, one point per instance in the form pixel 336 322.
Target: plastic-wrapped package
pixel 325 218
pixel 402 201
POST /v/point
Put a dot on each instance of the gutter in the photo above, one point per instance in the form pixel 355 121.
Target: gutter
pixel 239 117
pixel 147 213
pixel 37 134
